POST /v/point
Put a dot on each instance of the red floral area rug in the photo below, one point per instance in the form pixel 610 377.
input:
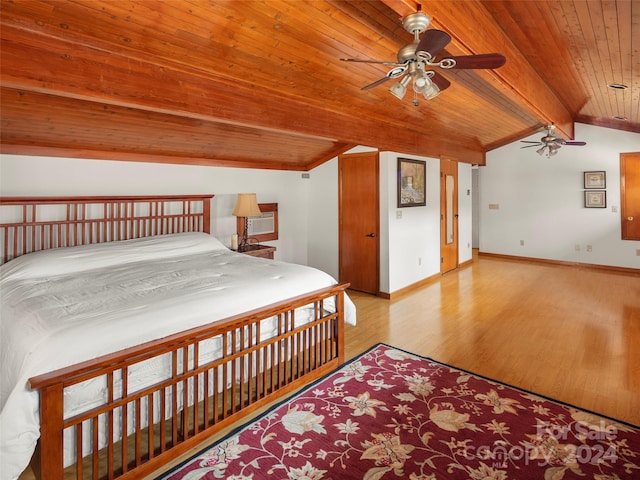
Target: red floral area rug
pixel 390 414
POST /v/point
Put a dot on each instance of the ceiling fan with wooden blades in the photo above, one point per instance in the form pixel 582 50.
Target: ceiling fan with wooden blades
pixel 416 61
pixel 550 144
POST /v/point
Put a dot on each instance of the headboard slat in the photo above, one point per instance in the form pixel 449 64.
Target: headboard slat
pixel 29 224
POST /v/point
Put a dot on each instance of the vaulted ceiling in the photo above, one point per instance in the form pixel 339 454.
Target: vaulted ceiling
pixel 261 84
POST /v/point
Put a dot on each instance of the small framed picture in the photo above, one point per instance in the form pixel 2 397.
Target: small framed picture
pixel 595 180
pixel 412 183
pixel 593 199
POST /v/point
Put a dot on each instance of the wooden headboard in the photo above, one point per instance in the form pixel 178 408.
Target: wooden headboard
pixel 29 224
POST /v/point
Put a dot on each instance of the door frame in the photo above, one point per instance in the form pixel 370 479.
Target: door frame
pixel 447 249
pixel 625 187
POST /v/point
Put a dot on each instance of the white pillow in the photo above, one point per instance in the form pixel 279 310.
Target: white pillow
pixel 58 261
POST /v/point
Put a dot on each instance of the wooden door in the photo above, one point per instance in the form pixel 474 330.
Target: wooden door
pixel 630 195
pixel 359 221
pixel 448 215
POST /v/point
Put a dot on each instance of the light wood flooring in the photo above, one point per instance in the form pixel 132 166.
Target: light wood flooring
pixel 569 333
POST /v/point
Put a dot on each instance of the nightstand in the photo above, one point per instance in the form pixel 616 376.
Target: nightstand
pixel 257 250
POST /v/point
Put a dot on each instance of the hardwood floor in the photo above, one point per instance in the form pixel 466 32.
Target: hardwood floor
pixel 569 333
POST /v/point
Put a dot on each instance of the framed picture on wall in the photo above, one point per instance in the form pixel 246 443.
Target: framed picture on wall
pixel 412 184
pixel 595 179
pixel 593 199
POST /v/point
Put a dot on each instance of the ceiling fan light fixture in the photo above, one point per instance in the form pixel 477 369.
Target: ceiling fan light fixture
pixel 399 89
pixel 550 143
pixel 431 92
pixel 420 82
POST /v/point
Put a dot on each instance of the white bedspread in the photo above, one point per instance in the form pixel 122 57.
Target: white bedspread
pixel 63 306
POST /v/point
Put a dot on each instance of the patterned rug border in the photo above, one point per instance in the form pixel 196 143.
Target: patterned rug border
pixel 289 398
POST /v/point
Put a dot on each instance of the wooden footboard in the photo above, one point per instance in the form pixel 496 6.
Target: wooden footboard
pixel 198 397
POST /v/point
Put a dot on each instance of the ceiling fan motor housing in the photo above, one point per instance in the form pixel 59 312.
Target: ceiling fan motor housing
pixel 408 52
pixel 416 22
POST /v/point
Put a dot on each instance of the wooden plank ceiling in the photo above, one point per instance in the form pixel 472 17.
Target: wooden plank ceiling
pixel 260 83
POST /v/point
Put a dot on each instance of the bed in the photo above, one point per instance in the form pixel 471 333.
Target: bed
pixel 130 334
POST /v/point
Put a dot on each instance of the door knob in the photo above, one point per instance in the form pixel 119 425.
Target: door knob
pixel 371 235
pixel 629 218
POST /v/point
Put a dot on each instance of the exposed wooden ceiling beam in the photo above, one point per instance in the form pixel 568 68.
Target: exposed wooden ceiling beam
pixel 92 73
pixel 517 79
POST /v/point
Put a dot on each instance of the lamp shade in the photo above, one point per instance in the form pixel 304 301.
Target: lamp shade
pixel 431 91
pixel 247 206
pixel 398 90
pixel 420 82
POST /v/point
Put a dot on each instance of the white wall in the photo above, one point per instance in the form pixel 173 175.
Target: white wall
pixel 322 215
pixel 465 212
pixel 413 247
pixel 541 201
pixel 410 245
pixel 322 222
pixel 26 175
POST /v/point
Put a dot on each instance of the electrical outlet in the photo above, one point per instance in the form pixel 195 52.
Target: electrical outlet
pixel 576 248
pixel 589 248
pixel 419 261
pixel 398 214
pixel 494 206
pixel 522 243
